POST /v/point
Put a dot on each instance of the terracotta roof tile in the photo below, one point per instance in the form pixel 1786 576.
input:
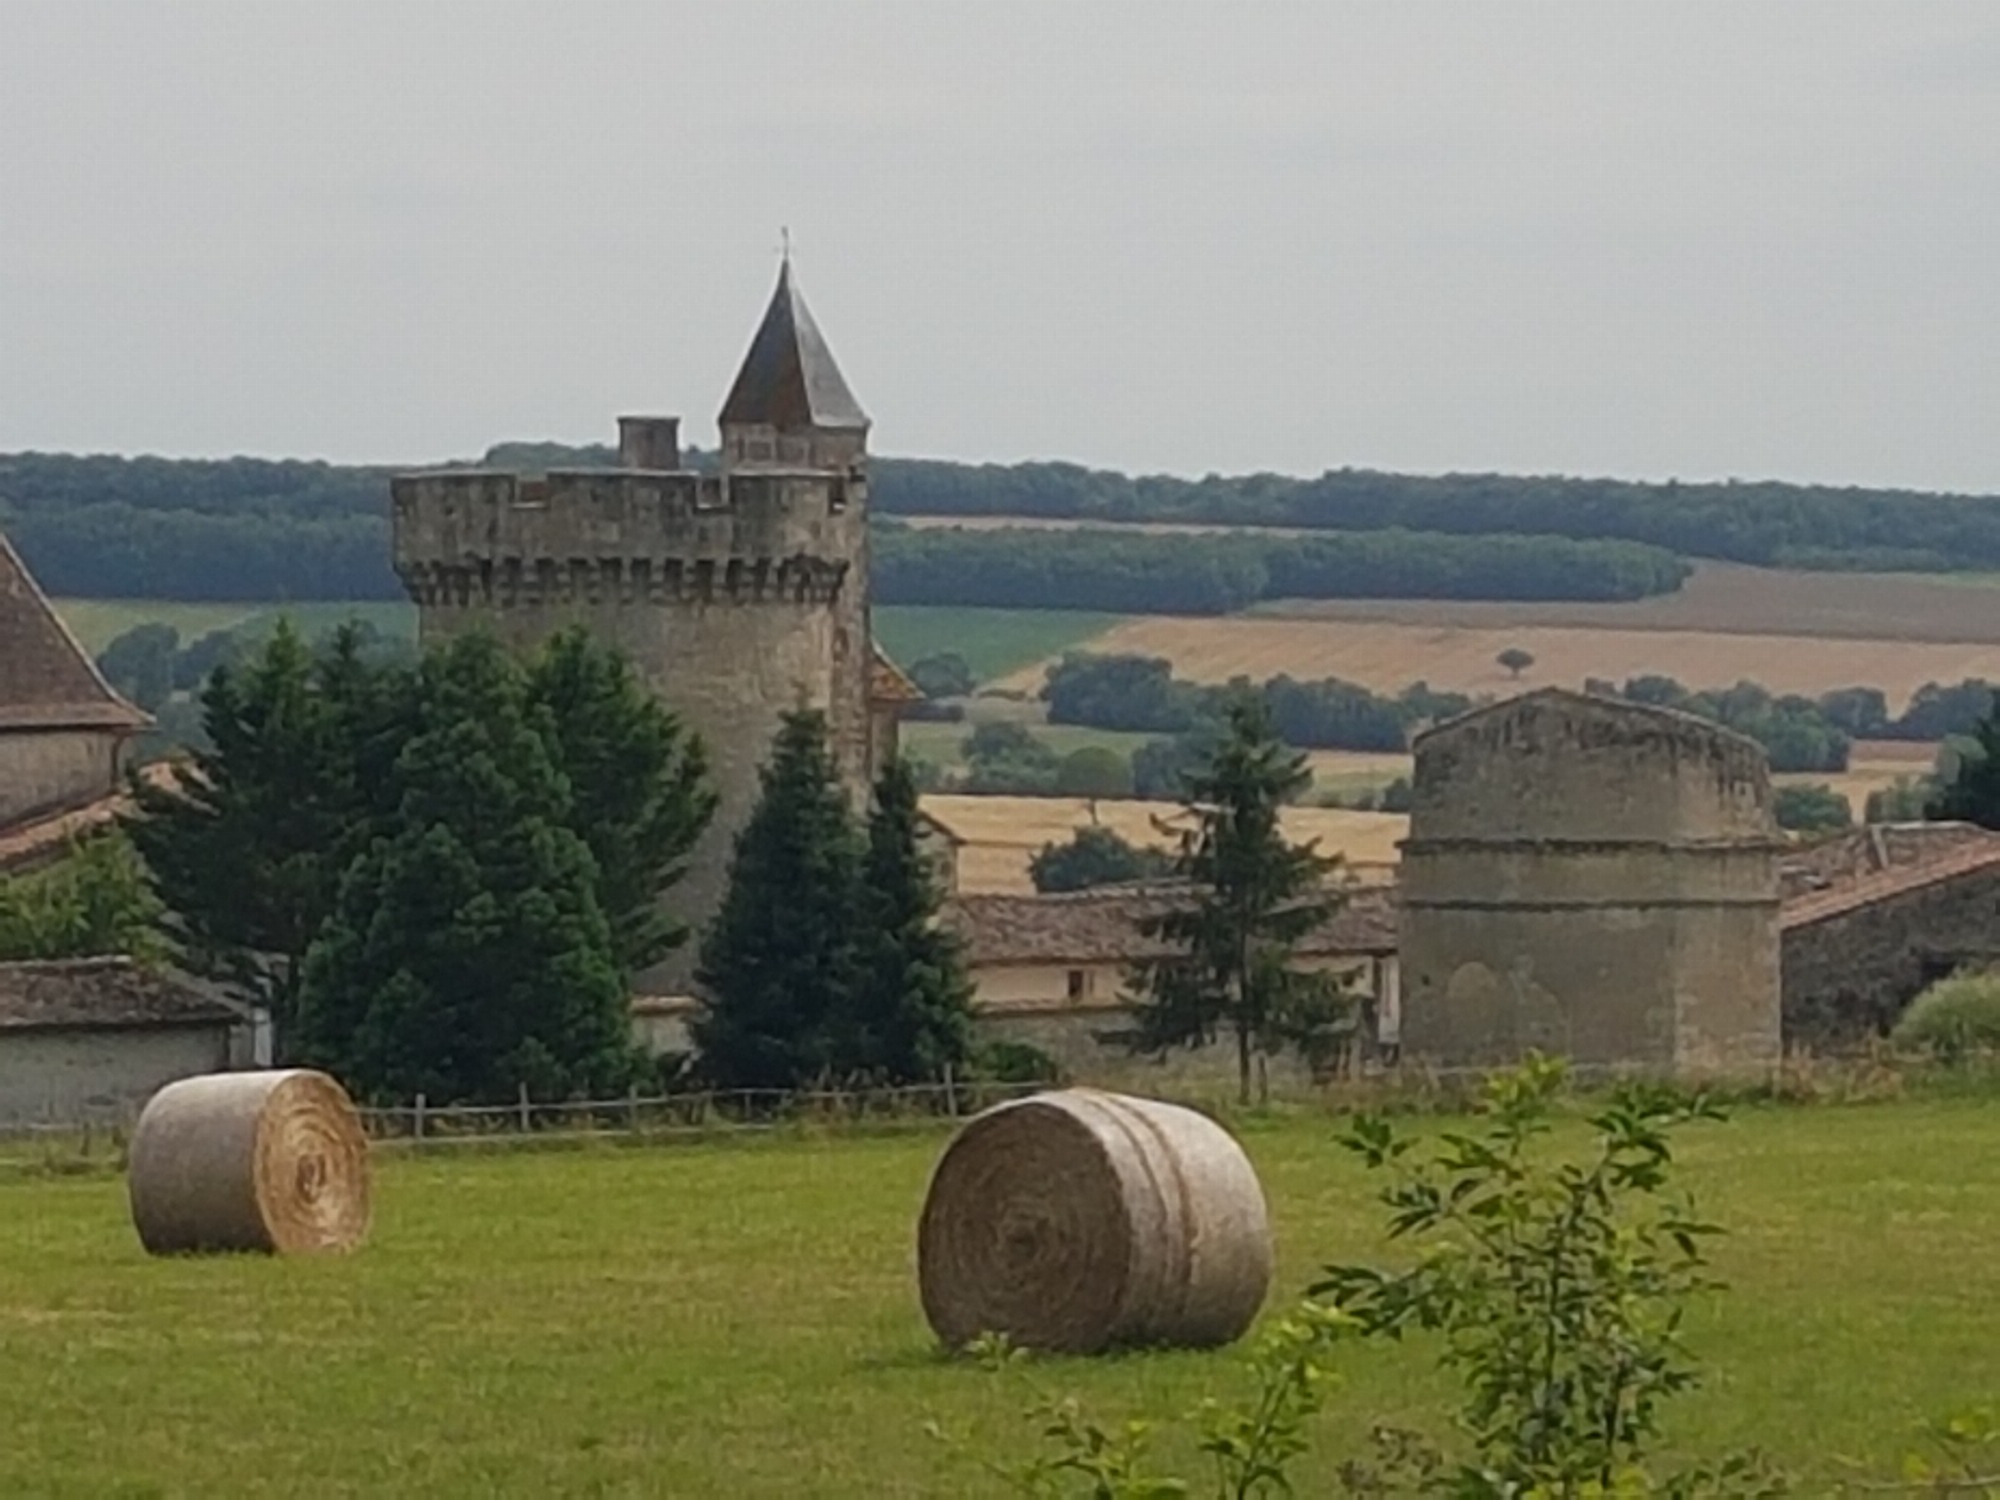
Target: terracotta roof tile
pixel 889 683
pixel 1102 925
pixel 1949 862
pixel 27 844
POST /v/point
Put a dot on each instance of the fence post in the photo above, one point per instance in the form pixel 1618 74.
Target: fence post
pixel 950 1093
pixel 632 1109
pixel 419 1112
pixel 524 1108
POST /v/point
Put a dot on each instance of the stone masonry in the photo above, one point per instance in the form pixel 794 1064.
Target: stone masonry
pixel 1593 879
pixel 738 596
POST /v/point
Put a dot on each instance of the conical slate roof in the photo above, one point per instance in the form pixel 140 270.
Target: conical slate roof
pixel 47 681
pixel 789 379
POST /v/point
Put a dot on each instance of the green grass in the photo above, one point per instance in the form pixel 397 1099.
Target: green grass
pixel 98 622
pixel 741 1319
pixel 993 642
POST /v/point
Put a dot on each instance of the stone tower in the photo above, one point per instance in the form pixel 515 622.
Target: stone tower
pixel 1593 879
pixel 738 595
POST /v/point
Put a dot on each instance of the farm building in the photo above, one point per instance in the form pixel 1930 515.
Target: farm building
pixel 1872 916
pixel 1053 971
pixel 94 1038
pixel 65 736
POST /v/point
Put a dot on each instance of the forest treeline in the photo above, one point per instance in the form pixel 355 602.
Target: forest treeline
pixel 244 528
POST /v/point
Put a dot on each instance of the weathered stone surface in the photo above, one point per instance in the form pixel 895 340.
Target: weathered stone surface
pixel 1592 879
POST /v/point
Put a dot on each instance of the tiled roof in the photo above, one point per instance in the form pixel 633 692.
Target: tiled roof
pixel 100 993
pixel 47 680
pixel 1102 925
pixel 27 844
pixel 789 379
pixel 1949 859
pixel 889 683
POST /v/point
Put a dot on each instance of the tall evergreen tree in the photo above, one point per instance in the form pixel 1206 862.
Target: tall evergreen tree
pixel 911 1012
pixel 638 787
pixel 780 961
pixel 467 954
pixel 1253 896
pixel 1973 795
pixel 247 844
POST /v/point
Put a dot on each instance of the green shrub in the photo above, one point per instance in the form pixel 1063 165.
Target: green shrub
pixel 1954 1018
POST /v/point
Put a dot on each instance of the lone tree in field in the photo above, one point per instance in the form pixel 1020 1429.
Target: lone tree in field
pixel 781 958
pixel 1254 896
pixel 910 1014
pixel 1516 661
pixel 467 956
pixel 1973 795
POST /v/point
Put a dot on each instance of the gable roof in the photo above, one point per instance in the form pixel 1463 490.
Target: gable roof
pixel 47 680
pixel 100 994
pixel 789 379
pixel 1879 863
pixel 889 683
pixel 1101 925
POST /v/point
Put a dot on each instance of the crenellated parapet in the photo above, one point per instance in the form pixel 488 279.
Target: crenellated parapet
pixel 627 536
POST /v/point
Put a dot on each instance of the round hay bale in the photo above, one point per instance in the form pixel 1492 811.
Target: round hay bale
pixel 1077 1221
pixel 272 1161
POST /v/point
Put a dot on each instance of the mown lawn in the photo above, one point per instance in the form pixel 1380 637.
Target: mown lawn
pixel 740 1319
pixel 993 642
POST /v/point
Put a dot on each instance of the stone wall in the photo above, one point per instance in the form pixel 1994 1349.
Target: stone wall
pixel 1847 978
pixel 72 1076
pixel 1593 879
pixel 737 599
pixel 46 770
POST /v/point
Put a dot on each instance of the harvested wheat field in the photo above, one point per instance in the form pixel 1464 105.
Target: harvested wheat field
pixel 1388 657
pixel 1001 834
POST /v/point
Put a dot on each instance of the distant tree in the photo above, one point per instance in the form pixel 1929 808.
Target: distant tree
pixel 1255 896
pixel 1397 796
pixel 944 675
pixel 1007 758
pixel 1903 801
pixel 1937 712
pixel 1094 857
pixel 1861 712
pixel 909 1016
pixel 639 795
pixel 95 901
pixel 467 956
pixel 780 960
pixel 1811 809
pixel 1094 771
pixel 1516 661
pixel 1161 768
pixel 140 664
pixel 1972 793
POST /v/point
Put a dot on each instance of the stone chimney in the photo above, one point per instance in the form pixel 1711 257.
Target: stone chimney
pixel 649 442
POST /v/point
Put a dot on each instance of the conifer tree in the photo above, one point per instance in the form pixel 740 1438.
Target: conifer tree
pixel 1253 897
pixel 1973 795
pixel 467 954
pixel 780 961
pixel 247 844
pixel 638 787
pixel 911 1010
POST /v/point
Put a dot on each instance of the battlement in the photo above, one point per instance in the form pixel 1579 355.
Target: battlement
pixel 476 536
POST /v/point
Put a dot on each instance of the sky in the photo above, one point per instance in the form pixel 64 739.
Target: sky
pixel 1670 239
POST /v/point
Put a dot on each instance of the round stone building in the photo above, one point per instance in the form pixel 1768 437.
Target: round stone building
pixel 1592 879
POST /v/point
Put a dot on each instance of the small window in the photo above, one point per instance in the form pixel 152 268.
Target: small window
pixel 1079 984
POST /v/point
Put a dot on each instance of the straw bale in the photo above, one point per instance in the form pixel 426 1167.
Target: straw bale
pixel 1079 1221
pixel 269 1161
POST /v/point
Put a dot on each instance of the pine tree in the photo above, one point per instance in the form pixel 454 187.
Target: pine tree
pixel 467 955
pixel 1253 896
pixel 247 846
pixel 780 961
pixel 911 1011
pixel 638 787
pixel 1973 795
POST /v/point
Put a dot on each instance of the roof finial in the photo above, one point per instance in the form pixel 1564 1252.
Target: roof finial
pixel 784 245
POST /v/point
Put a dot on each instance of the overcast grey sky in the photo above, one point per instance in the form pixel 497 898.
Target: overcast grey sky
pixel 1606 238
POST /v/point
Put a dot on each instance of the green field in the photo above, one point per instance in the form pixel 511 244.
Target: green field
pixel 993 642
pixel 98 622
pixel 740 1319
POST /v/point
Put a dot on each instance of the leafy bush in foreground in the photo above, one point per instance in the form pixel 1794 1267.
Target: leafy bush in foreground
pixel 1954 1018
